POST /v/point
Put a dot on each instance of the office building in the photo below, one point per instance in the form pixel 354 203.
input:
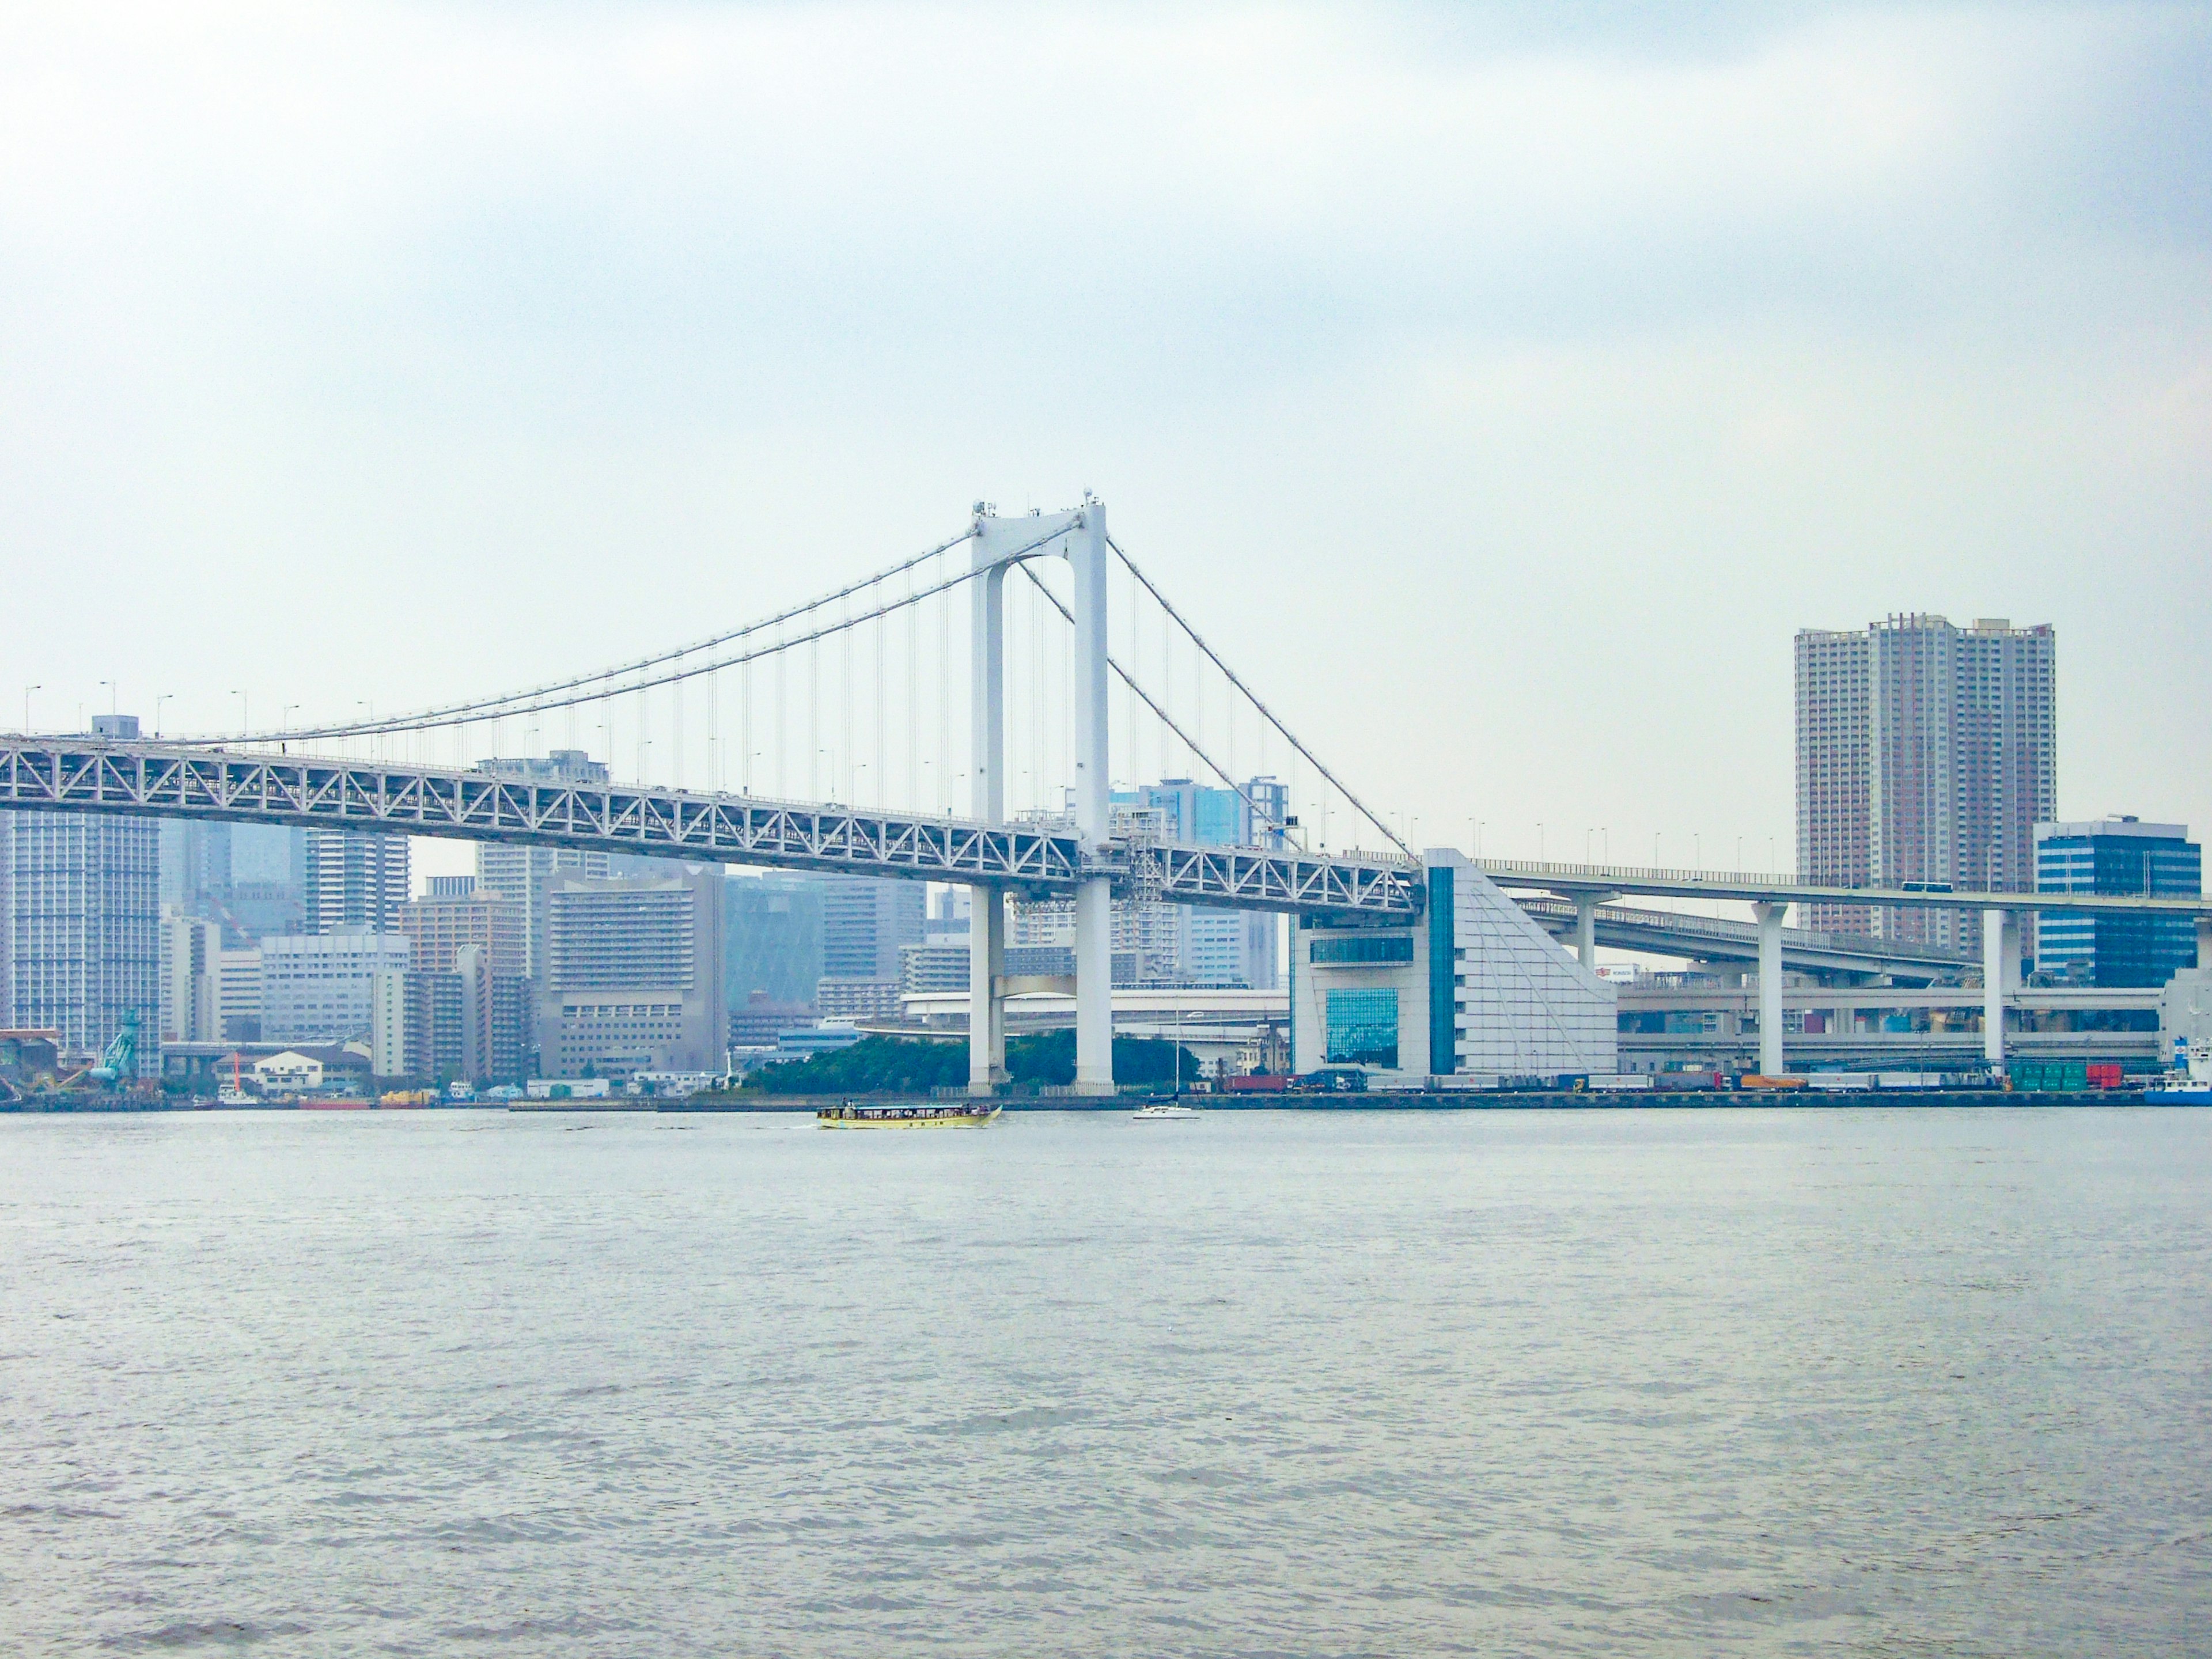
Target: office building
pixel 1926 755
pixel 355 880
pixel 439 925
pixel 2118 856
pixel 865 922
pixel 191 978
pixel 238 994
pixel 851 1000
pixel 249 878
pixel 1473 987
pixel 754 1023
pixel 634 975
pixel 772 937
pixel 80 917
pixel 320 987
pixel 527 874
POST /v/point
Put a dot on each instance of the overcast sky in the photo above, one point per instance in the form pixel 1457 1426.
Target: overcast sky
pixel 1501 387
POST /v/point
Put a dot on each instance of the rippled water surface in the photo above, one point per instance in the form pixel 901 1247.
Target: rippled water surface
pixel 1745 1382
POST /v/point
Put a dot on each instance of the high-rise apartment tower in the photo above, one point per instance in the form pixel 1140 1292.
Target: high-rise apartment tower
pixel 1926 754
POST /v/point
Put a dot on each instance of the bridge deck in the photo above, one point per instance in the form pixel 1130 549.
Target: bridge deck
pixel 170 780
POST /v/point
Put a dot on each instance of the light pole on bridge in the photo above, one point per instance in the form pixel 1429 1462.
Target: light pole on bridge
pixel 27 704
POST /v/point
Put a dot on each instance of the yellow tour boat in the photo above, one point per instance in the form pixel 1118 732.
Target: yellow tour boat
pixel 951 1115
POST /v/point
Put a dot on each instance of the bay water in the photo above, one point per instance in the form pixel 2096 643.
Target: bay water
pixel 1333 1383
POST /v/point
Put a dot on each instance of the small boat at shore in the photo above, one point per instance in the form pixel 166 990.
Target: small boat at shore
pixel 1158 1109
pixel 950 1115
pixel 2189 1083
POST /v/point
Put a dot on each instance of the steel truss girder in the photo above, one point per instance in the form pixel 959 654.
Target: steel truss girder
pixel 152 779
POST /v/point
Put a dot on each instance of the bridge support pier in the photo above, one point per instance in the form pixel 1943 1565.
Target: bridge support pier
pixel 987 1004
pixel 2000 978
pixel 1770 1060
pixel 1586 927
pixel 1094 987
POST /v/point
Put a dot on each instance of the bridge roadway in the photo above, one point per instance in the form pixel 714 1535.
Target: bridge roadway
pixel 84 774
pixel 1707 938
pixel 1606 880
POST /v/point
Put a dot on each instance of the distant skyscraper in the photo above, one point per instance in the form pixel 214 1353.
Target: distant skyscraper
pixel 634 975
pixel 1196 944
pixel 82 921
pixel 2118 856
pixel 355 880
pixel 1926 755
pixel 191 978
pixel 250 877
pixel 866 922
pixel 527 874
pixel 773 939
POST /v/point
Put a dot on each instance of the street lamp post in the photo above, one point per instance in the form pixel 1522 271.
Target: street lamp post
pixel 27 705
pixel 159 699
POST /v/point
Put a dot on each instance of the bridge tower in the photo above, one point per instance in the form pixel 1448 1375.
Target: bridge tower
pixel 999 544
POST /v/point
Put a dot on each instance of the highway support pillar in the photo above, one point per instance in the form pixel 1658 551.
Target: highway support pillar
pixel 2000 978
pixel 1586 928
pixel 1770 916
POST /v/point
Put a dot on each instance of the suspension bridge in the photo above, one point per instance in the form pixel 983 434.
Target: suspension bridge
pixel 952 718
pixel 891 698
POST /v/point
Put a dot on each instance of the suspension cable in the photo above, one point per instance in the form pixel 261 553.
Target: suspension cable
pixel 481 707
pixel 1230 674
pixel 1258 811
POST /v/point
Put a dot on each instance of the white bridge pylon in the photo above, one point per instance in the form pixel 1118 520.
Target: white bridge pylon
pixel 998 545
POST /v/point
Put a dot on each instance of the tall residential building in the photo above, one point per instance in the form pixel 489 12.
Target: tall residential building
pixel 81 918
pixel 191 978
pixel 441 924
pixel 320 987
pixel 355 880
pixel 634 975
pixel 2118 856
pixel 1926 755
pixel 527 874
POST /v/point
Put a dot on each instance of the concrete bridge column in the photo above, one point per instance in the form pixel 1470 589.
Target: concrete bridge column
pixel 986 1004
pixel 1769 986
pixel 2000 978
pixel 1586 927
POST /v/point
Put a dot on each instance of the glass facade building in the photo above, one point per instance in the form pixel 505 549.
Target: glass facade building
pixel 2116 857
pixel 80 908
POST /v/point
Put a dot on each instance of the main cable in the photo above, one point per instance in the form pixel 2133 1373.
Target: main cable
pixel 1230 674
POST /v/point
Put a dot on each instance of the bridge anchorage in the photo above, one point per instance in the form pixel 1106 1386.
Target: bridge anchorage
pixel 1086 847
